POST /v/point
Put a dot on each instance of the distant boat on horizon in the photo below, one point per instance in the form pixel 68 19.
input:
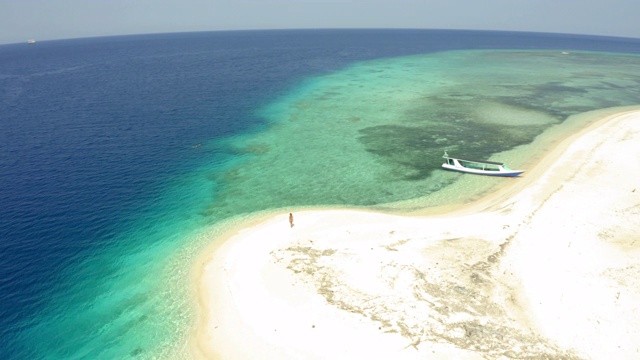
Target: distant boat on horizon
pixel 31 41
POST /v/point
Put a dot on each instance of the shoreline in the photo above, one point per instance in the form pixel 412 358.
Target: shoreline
pixel 270 299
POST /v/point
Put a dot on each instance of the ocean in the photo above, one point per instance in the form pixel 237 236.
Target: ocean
pixel 122 158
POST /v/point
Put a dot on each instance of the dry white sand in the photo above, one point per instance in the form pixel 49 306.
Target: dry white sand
pixel 548 269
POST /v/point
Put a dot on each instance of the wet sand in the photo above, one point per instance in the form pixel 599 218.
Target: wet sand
pixel 547 267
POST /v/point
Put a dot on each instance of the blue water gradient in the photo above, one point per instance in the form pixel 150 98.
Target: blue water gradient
pixel 106 149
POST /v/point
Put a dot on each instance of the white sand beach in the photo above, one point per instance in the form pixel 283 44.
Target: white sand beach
pixel 547 268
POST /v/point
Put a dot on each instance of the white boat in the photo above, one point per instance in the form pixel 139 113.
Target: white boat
pixel 479 167
pixel 31 41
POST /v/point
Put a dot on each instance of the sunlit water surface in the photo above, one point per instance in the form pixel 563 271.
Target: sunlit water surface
pixel 122 158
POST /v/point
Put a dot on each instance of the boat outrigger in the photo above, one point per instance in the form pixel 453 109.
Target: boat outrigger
pixel 479 167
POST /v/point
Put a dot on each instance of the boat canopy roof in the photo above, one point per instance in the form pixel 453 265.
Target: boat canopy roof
pixel 446 156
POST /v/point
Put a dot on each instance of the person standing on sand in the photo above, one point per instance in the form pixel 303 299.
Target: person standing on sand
pixel 291 219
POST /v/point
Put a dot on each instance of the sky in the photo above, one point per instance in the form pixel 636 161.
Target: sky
pixel 61 19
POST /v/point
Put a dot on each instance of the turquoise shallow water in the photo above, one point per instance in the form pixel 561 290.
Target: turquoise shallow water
pixel 356 132
pixel 373 134
pixel 376 131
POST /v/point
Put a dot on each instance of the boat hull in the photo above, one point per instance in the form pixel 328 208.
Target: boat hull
pixel 503 173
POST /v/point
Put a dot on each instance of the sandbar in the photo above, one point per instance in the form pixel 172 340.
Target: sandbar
pixel 547 268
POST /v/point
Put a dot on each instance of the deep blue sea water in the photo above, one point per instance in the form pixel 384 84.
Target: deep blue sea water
pixel 113 150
